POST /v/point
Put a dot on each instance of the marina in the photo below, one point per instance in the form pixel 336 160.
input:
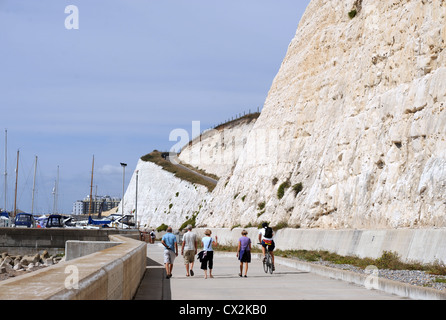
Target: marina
pixel 91 215
pixel 27 220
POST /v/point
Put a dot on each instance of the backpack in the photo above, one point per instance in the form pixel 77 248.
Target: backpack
pixel 268 232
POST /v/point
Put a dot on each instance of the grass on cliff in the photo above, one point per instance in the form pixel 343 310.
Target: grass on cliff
pixel 248 117
pixel 155 157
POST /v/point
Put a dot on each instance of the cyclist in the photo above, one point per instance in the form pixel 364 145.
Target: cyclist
pixel 266 239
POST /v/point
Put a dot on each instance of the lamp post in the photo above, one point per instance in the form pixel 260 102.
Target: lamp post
pixel 123 165
pixel 136 200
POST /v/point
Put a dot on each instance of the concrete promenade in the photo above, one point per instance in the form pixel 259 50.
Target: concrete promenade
pixel 285 284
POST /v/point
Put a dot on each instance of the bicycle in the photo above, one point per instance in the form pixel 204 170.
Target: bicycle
pixel 267 261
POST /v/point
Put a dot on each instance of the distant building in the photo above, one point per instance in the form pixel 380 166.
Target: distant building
pixel 99 204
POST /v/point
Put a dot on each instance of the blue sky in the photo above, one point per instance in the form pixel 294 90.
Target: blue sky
pixel 116 87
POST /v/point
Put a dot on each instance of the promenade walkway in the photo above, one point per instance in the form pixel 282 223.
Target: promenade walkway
pixel 285 284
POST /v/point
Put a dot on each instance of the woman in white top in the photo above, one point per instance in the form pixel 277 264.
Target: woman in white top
pixel 208 242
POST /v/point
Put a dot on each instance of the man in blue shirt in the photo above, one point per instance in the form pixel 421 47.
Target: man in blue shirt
pixel 169 241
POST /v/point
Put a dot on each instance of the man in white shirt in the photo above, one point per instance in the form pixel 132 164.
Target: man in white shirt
pixel 189 250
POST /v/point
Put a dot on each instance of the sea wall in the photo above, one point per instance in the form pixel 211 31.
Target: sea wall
pixel 111 274
pixel 34 240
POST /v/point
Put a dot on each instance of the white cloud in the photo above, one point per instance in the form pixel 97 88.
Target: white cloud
pixel 110 169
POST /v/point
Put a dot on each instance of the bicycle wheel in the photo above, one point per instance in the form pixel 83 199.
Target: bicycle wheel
pixel 265 263
pixel 270 264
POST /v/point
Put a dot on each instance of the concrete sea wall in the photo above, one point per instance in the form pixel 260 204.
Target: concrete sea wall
pixel 111 274
pixel 30 241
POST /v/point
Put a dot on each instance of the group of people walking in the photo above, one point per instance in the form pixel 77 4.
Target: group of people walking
pixel 189 250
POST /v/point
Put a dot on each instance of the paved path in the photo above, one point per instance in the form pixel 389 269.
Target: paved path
pixel 285 284
pixel 209 179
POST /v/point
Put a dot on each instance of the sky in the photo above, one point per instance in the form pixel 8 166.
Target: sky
pixel 113 79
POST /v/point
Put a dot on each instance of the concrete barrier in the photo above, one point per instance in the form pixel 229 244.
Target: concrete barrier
pixel 76 249
pixel 111 274
pixel 421 245
pixel 30 241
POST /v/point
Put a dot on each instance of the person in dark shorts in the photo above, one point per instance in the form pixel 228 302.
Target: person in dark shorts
pixel 266 235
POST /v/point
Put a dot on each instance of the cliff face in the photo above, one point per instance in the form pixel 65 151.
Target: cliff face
pixel 352 133
pixel 217 151
pixel 356 117
pixel 162 197
pixel 166 199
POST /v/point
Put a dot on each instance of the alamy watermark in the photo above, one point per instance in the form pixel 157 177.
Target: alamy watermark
pixel 72 280
pixel 72 20
pixel 372 280
pixel 225 146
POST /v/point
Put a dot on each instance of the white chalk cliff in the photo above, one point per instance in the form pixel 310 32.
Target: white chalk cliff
pixel 356 116
pixel 162 198
pixel 216 151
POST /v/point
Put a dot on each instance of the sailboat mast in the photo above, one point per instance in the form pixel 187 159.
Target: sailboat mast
pixel 34 186
pixel 91 189
pixel 6 166
pixel 56 186
pixel 16 181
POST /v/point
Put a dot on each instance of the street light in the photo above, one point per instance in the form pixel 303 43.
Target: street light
pixel 123 165
pixel 136 200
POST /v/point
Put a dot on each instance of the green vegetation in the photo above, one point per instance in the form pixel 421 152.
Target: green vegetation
pixel 155 157
pixel 297 188
pixel 440 280
pixel 281 225
pixel 352 13
pixel 357 6
pixel 162 227
pixel 261 207
pixel 282 189
pixel 191 221
pixel 388 260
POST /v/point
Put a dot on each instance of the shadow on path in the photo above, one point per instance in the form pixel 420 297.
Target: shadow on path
pixel 278 274
pixel 154 285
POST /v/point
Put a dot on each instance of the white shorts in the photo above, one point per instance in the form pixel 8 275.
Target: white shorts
pixel 169 256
